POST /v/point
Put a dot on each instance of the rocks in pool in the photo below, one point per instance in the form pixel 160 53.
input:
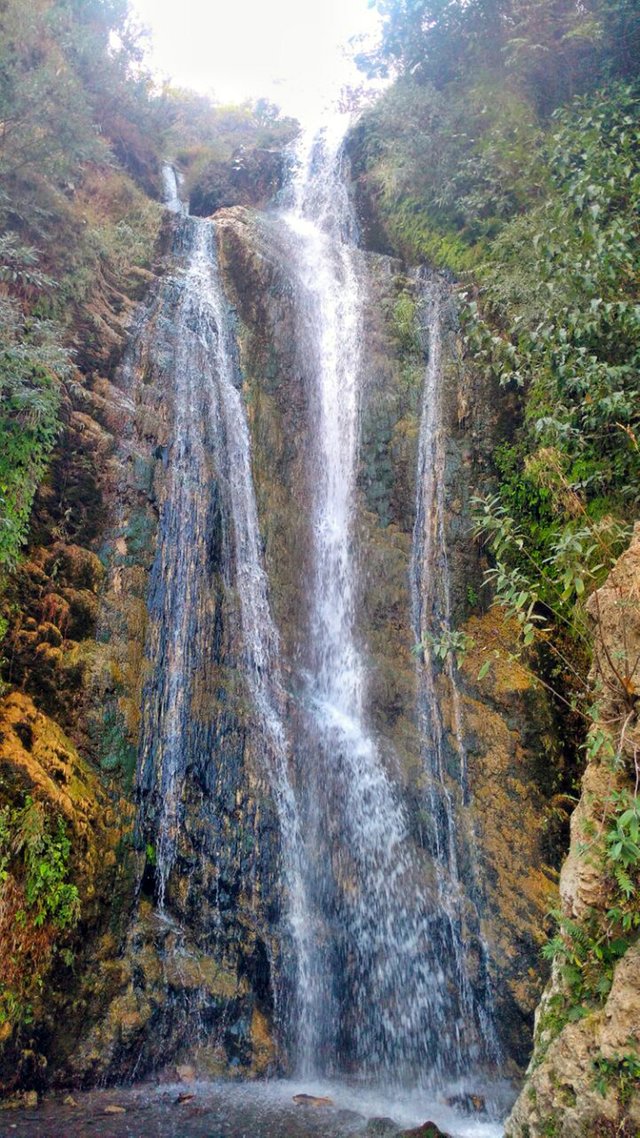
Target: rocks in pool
pixel 427 1130
pixel 469 1103
pixel 348 1117
pixel 382 1128
pixel 312 1100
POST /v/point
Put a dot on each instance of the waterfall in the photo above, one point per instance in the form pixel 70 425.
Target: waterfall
pixel 208 525
pixel 370 976
pixel 171 182
pixel 387 997
pixel 432 618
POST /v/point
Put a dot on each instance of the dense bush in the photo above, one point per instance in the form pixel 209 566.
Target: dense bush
pixel 538 215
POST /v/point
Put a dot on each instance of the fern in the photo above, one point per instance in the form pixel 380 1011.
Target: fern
pixel 624 882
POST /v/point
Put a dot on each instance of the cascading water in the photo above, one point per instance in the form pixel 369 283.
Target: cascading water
pixel 371 974
pixel 388 997
pixel 431 612
pixel 171 186
pixel 210 492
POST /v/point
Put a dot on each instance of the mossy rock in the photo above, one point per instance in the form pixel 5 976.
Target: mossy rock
pixel 39 765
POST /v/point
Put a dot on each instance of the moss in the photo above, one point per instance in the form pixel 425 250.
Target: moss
pixel 201 971
pixel 40 765
pixel 262 1044
pixel 74 566
pixel 550 1127
pixel 117 752
pixel 140 537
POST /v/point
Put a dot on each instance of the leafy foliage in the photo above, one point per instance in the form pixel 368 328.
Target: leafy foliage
pixel 448 168
pixel 621 1071
pixel 585 955
pixel 557 317
pixel 39 904
pixel 550 49
pixel 38 852
pixel 567 305
pixel 32 365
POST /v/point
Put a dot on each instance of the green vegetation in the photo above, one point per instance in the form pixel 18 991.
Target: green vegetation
pixel 508 152
pixel 38 851
pixel 585 952
pixel 33 363
pixel 84 131
pixel 69 101
pixel 38 903
pixel 621 1071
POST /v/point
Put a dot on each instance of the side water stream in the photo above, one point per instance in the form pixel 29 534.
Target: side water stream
pixel 210 492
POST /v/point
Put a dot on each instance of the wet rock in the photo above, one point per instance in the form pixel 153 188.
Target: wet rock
pixel 427 1130
pixel 348 1117
pixel 382 1128
pixel 312 1100
pixel 509 735
pixel 469 1103
pixel 251 177
pixel 185 1073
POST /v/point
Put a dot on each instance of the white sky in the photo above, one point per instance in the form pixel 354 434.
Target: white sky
pixel 285 50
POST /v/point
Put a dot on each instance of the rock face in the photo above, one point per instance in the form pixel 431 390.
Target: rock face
pixel 252 177
pixel 583 1078
pixel 507 728
pixel 66 821
pixel 198 983
pixel 192 979
pixel 510 740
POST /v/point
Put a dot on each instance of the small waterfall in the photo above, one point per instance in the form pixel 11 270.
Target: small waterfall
pixel 387 995
pixel 208 527
pixel 171 182
pixel 432 618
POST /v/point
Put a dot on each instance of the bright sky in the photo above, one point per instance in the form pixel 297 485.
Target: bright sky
pixel 284 50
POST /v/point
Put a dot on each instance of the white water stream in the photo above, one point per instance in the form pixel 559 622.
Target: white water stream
pixel 432 618
pixel 387 994
pixel 209 472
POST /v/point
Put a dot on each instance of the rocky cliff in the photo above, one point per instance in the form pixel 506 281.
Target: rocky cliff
pixel 583 1078
pixel 82 651
pixel 507 727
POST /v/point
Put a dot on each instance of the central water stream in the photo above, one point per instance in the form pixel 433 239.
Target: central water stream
pixel 389 995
